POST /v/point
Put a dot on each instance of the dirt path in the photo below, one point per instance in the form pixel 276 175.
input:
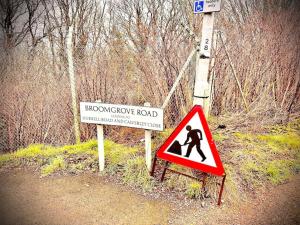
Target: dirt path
pixel 87 199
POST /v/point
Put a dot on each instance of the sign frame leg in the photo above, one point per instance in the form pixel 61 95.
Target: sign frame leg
pixel 205 175
pixel 100 139
pixel 148 134
pixel 221 190
pixel 164 171
pixel 153 166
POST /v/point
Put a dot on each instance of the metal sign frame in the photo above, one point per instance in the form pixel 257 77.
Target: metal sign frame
pixel 201 180
pixel 218 170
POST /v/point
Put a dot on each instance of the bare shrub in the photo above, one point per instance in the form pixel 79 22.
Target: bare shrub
pixel 130 52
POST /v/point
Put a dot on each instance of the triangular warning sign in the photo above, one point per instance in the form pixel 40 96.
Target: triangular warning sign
pixel 191 144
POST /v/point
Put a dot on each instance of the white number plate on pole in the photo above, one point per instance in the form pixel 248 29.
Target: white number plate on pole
pixel 207 33
pixel 122 115
pixel 204 6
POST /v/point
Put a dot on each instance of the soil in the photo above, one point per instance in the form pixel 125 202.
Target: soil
pixel 90 199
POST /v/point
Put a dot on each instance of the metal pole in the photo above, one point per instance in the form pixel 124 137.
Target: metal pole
pixel 153 166
pixel 221 190
pixel 164 171
pixel 204 180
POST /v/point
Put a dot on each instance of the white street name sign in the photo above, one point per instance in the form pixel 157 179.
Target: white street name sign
pixel 122 115
pixel 205 6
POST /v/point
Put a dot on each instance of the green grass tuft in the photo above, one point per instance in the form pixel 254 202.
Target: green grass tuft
pixel 89 147
pixel 219 137
pixel 281 142
pixel 77 167
pixel 5 158
pixel 135 173
pixel 252 172
pixel 30 152
pixel 231 185
pixel 194 189
pixel 56 164
pixel 177 182
pixel 117 155
pixel 279 171
pixel 245 137
pixel 274 156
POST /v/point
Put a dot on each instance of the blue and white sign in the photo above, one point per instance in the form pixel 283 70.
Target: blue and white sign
pixel 198 6
pixel 204 6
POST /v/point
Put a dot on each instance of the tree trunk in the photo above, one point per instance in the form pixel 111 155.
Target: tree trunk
pixel 72 82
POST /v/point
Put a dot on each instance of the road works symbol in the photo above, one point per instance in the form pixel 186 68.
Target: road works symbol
pixel 191 144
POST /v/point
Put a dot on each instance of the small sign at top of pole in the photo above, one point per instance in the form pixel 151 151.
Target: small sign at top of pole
pixel 205 6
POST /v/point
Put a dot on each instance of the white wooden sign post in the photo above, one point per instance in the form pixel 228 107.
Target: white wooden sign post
pixel 144 117
pixel 100 139
pixel 148 134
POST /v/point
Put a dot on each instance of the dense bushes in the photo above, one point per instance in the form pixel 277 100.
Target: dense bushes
pixel 131 62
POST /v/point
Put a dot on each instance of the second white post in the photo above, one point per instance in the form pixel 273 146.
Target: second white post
pixel 148 134
pixel 100 139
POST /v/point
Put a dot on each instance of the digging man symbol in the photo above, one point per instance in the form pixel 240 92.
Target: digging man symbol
pixel 193 134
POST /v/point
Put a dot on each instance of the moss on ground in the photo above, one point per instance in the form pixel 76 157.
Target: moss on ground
pixel 89 147
pixel 194 189
pixel 273 156
pixel 84 156
pixel 117 155
pixel 281 142
pixel 4 159
pixel 56 164
pixel 136 173
pixel 35 151
pixel 219 137
pixel 231 185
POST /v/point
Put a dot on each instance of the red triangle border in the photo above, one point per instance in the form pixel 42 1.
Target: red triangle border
pixel 218 170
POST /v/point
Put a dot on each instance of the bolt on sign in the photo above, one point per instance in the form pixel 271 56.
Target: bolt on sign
pixel 121 115
pixel 205 6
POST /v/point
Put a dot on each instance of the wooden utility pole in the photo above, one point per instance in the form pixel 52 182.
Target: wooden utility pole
pixel 211 80
pixel 201 88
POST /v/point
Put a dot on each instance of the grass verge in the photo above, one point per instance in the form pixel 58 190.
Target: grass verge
pixel 273 156
pixel 256 159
